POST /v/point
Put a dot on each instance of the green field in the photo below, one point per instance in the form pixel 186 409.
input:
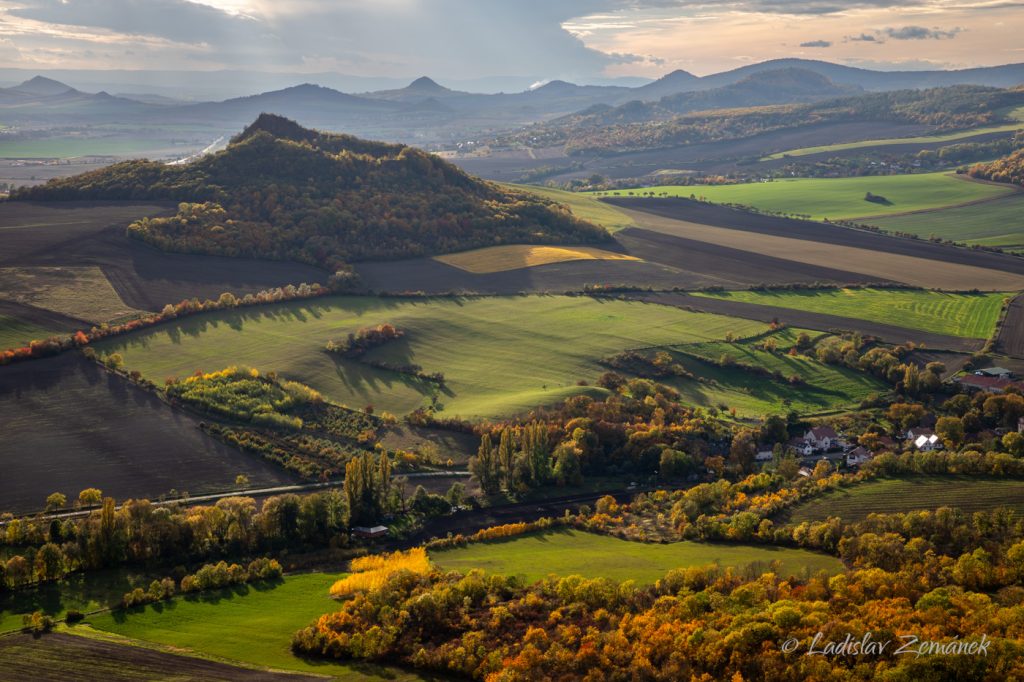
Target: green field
pixel 894 495
pixel 966 315
pixel 82 591
pixel 499 355
pixel 251 624
pixel 570 552
pixel 584 206
pixel 824 388
pixel 16 332
pixel 992 223
pixel 1016 115
pixel 841 198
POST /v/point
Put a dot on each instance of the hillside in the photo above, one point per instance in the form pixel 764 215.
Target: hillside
pixel 285 192
pixel 1010 168
pixel 672 122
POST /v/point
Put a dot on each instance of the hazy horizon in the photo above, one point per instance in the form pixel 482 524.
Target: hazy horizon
pixel 507 44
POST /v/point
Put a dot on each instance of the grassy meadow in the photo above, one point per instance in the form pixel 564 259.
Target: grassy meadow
pixel 81 591
pixel 992 223
pixel 965 315
pixel 252 624
pixel 895 495
pixel 571 552
pixel 500 355
pixel 583 206
pixel 822 388
pixel 841 198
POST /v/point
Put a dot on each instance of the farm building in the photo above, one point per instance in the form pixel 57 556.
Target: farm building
pixel 370 531
pixel 998 372
pixel 978 382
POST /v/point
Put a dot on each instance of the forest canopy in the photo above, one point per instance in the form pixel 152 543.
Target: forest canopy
pixel 284 192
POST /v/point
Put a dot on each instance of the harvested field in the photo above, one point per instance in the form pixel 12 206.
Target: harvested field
pixel 811 320
pixel 430 276
pixel 82 291
pixel 516 256
pixel 79 234
pixel 69 425
pixel 59 657
pixel 666 262
pixel 1011 335
pixel 878 256
pixel 706 263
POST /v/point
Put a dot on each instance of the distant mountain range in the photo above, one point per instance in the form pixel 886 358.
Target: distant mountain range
pixel 425 111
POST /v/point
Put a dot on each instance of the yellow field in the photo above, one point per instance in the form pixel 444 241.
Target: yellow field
pixel 82 292
pixel 516 256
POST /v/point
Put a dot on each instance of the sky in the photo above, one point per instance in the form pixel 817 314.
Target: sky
pixel 579 40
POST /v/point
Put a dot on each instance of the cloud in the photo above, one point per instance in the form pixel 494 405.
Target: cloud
pixel 817 43
pixel 862 38
pixel 920 33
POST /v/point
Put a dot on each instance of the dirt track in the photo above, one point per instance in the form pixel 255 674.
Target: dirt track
pixel 808 320
pixel 1011 335
pixel 60 657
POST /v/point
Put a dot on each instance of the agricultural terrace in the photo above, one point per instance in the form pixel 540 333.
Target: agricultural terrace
pixel 897 495
pixel 992 223
pixel 516 256
pixel 499 356
pixel 251 624
pixel 964 315
pixel 840 198
pixel 571 552
pixel 584 207
pixel 1015 115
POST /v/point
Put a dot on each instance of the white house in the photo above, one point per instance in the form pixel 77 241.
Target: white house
pixel 858 456
pixel 927 443
pixel 913 434
pixel 822 438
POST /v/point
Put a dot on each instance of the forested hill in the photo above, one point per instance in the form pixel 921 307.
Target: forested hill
pixel 282 191
pixel 1007 169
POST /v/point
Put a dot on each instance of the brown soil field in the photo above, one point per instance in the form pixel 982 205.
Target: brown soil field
pixel 60 657
pixel 667 262
pixel 1011 335
pixel 809 320
pixel 430 276
pixel 883 258
pixel 70 425
pixel 93 234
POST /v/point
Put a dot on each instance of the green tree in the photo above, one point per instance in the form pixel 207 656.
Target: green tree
pixel 56 501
